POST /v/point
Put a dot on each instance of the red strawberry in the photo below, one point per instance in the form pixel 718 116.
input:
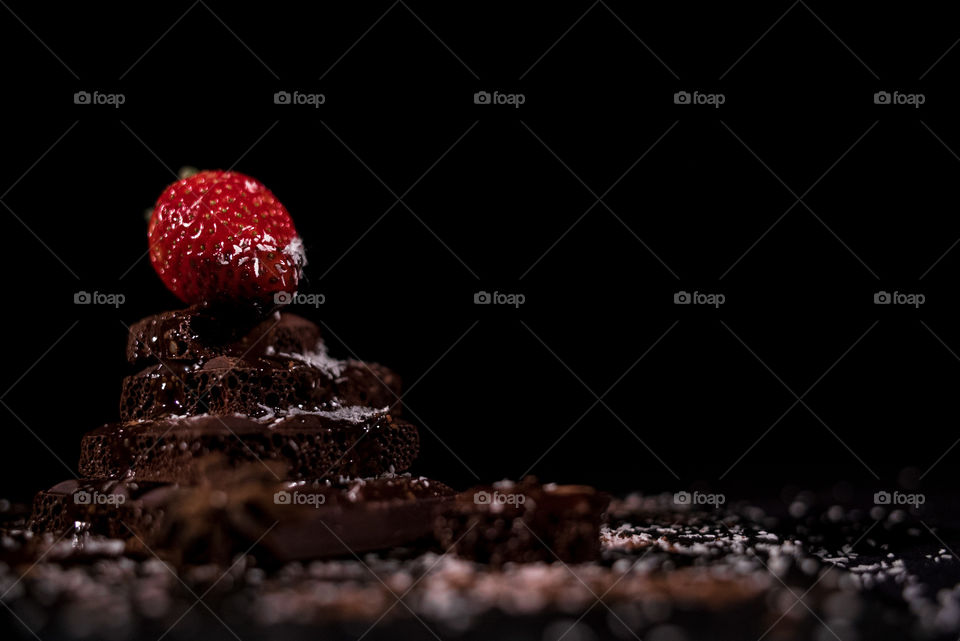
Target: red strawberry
pixel 222 236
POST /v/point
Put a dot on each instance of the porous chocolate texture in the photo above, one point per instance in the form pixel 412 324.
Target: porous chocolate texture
pixel 199 333
pixel 114 508
pixel 255 387
pixel 347 442
pixel 524 522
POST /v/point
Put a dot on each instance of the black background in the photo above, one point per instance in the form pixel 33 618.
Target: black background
pixel 506 199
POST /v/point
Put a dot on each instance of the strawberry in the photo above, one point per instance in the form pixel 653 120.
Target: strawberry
pixel 221 236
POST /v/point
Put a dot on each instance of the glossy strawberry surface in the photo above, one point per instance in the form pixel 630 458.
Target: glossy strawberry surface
pixel 222 236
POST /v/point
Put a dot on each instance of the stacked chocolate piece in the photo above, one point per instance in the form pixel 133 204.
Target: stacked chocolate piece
pixel 237 430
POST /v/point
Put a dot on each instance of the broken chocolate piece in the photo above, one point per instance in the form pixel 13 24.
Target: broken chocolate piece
pixel 352 441
pixel 113 508
pixel 254 387
pixel 524 522
pixel 301 520
pixel 200 332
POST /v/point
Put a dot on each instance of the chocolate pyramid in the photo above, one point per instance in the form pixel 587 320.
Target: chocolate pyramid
pixel 216 398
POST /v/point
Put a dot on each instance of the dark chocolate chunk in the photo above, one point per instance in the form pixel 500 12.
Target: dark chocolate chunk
pixel 352 441
pixel 113 508
pixel 254 387
pixel 524 522
pixel 300 521
pixel 199 333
